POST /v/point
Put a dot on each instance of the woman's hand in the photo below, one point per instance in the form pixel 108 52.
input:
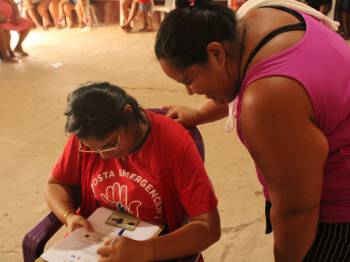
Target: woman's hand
pixel 184 115
pixel 125 249
pixel 75 221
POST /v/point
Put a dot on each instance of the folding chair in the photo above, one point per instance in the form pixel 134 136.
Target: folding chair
pixel 35 240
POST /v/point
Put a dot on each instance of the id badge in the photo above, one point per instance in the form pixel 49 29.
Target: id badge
pixel 123 221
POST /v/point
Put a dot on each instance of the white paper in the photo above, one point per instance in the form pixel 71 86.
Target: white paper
pixel 81 245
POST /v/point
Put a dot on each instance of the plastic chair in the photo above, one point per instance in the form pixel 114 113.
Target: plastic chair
pixel 162 9
pixel 166 8
pixel 35 240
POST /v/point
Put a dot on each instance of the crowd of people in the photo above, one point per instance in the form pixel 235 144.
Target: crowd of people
pixel 60 13
pixel 24 16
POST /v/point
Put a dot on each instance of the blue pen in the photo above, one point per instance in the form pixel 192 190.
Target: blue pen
pixel 115 239
pixel 120 233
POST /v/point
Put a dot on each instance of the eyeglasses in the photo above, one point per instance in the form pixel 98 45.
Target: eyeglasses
pixel 100 151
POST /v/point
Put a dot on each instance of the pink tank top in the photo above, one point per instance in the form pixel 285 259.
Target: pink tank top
pixel 320 61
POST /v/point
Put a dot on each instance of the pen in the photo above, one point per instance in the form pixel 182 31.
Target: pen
pixel 120 233
pixel 114 240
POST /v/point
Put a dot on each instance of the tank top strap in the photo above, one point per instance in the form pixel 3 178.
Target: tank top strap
pixel 301 26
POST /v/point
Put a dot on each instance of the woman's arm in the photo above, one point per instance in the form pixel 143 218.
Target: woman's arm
pixel 60 200
pixel 208 112
pixel 278 126
pixel 198 234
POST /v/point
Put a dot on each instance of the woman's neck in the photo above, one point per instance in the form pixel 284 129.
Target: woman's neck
pixel 141 133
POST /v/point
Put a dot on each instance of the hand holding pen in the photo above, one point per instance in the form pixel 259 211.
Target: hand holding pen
pixel 115 239
pixel 121 249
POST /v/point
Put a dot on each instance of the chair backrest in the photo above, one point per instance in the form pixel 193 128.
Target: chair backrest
pixel 167 7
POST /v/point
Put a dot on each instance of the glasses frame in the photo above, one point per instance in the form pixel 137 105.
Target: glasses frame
pixel 116 147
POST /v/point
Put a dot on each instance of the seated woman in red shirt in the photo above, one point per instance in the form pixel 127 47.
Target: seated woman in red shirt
pixel 134 161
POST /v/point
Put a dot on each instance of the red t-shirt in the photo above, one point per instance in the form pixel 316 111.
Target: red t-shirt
pixel 132 186
pixel 128 187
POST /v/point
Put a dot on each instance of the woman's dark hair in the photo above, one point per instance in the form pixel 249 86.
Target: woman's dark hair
pixel 96 109
pixel 185 32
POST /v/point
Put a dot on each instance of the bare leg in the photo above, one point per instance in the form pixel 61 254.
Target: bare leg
pixel 83 7
pixel 44 13
pixel 68 9
pixel 8 44
pixel 61 14
pixel 134 8
pixel 145 15
pixel 125 9
pixel 55 12
pixel 33 15
pixel 22 35
pixel 3 45
pixel 80 15
pixel 7 55
pixel 93 18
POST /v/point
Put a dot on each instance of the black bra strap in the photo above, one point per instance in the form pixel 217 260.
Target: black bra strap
pixel 294 27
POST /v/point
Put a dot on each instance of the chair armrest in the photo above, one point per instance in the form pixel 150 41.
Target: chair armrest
pixel 35 240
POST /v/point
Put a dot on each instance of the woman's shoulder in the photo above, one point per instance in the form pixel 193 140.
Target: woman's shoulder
pixel 269 96
pixel 261 22
pixel 162 123
pixel 167 132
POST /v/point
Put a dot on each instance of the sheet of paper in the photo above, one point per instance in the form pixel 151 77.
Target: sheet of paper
pixel 81 245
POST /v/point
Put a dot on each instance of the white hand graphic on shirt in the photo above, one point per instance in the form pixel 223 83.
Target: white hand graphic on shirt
pixel 117 195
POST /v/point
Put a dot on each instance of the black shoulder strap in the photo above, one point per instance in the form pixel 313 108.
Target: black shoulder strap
pixel 294 27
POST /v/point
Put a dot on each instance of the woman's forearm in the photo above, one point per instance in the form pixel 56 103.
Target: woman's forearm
pixel 59 198
pixel 210 112
pixel 190 239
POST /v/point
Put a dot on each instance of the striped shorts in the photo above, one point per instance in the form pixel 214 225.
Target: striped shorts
pixel 332 242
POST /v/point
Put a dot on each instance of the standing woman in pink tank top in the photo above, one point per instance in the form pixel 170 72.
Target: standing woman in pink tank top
pixel 291 114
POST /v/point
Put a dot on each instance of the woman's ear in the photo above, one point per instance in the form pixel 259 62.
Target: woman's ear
pixel 216 52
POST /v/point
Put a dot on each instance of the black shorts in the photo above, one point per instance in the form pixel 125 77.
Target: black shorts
pixel 332 242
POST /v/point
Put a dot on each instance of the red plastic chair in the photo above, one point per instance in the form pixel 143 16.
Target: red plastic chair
pixel 35 240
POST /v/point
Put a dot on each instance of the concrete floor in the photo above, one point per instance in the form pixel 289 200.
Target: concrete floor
pixel 32 101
